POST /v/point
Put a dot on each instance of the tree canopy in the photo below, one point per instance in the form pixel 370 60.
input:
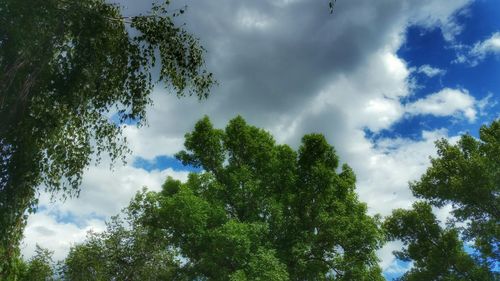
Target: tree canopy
pixel 40 267
pixel 64 67
pixel 258 211
pixel 436 253
pixel 465 175
pixel 126 250
pixel 262 211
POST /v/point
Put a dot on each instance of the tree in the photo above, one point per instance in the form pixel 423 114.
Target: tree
pixel 64 67
pixel 436 253
pixel 125 251
pixel 467 176
pixel 39 268
pixel 262 211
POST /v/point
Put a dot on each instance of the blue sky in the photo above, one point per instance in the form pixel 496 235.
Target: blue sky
pixel 161 163
pixel 382 80
pixel 428 47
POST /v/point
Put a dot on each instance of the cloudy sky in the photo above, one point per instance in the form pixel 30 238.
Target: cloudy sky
pixel 382 80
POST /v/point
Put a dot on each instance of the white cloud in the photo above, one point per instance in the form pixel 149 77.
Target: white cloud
pixel 389 166
pixel 431 71
pixel 149 147
pixel 441 14
pixel 43 229
pixel 369 95
pixel 447 102
pixel 104 193
pixel 385 255
pixel 253 20
pixel 479 51
pixel 389 264
pixel 488 46
pixel 486 103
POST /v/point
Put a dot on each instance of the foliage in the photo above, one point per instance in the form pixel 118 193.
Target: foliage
pixel 64 66
pixel 125 251
pixel 39 268
pixel 437 253
pixel 263 211
pixel 467 176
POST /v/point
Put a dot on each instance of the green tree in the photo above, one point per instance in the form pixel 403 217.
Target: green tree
pixel 125 251
pixel 436 253
pixel 64 67
pixel 467 176
pixel 39 268
pixel 262 211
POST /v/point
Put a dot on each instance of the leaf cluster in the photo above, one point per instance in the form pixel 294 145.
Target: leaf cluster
pixel 126 250
pixel 65 66
pixel 466 176
pixel 262 211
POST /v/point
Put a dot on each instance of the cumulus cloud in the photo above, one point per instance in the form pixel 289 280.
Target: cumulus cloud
pixel 58 236
pixel 390 165
pixel 447 102
pixel 104 193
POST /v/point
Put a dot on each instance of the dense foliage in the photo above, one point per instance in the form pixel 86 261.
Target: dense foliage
pixel 125 251
pixel 465 175
pixel 40 267
pixel 64 67
pixel 262 211
pixel 436 253
pixel 259 211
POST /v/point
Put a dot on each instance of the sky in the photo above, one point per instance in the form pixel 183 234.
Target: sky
pixel 382 80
